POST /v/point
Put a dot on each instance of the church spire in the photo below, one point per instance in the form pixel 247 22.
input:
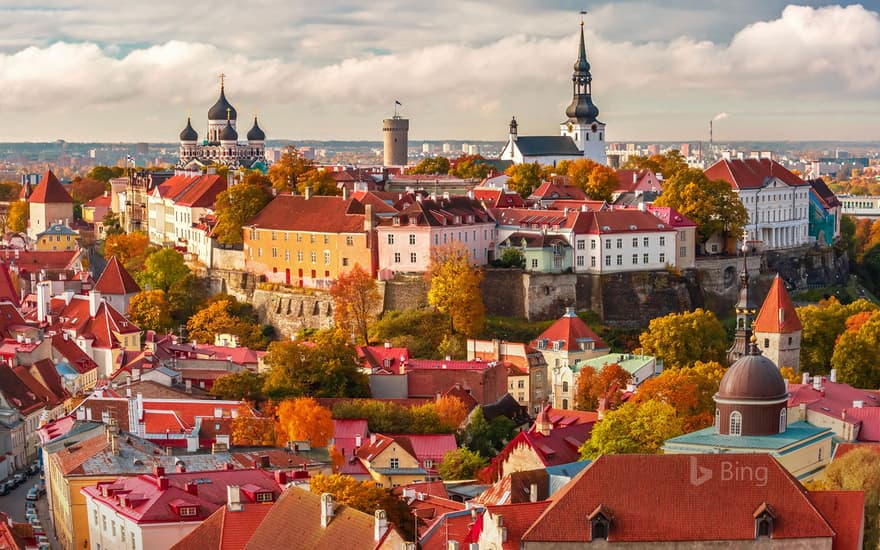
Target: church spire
pixel 745 316
pixel 582 109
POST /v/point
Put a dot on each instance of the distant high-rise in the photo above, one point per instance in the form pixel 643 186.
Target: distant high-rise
pixel 395 131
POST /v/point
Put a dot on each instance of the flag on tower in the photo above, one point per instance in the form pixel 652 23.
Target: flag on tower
pixel 398 103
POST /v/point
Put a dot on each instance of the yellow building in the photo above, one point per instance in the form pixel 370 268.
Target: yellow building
pixel 58 237
pixel 308 241
pixel 393 460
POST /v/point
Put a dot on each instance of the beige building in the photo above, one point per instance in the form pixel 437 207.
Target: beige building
pixel 49 203
pixel 778 328
pixel 529 385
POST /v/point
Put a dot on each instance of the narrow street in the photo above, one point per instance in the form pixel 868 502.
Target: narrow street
pixel 13 504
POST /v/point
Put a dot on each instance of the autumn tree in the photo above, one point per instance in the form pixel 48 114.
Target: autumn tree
pixel 711 204
pixel 461 464
pixel 524 178
pixel 286 172
pixel 607 385
pixel 633 428
pixel 150 310
pixel 320 181
pixel 387 417
pixel 858 470
pixel 219 316
pixel 578 171
pixel 669 164
pixel 303 419
pixel 431 165
pixel 9 190
pixel 688 390
pixel 162 269
pixel 856 351
pixel 450 410
pixel 245 385
pixel 253 431
pixel 365 496
pixel 186 295
pixel 82 190
pixel 455 289
pixel 682 339
pixel 471 167
pixel 236 205
pixel 602 183
pixel 790 375
pixel 327 369
pixel 822 325
pixel 131 249
pixel 17 219
pixel 105 173
pixel 356 302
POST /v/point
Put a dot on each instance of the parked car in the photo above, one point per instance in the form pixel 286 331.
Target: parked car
pixel 32 494
pixel 19 479
pixel 33 469
pixel 41 489
pixel 4 490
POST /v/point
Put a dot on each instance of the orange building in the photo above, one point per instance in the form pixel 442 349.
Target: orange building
pixel 308 241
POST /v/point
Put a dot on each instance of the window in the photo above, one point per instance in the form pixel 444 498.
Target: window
pixel 619 243
pixel 397 257
pixel 592 244
pixel 682 251
pixel 766 343
pixel 783 420
pixel 349 240
pixel 635 242
pixel 580 261
pixel 662 258
pixel 133 545
pixel 274 252
pixel 789 340
pixel 820 454
pixel 412 257
pixel 592 261
pixel 287 255
pixel 187 511
pixel 608 243
pixel 390 238
pixel 429 463
pixel 394 463
pixel 345 262
pixel 274 236
pixel 534 263
pixel 564 387
pixel 103 522
pixel 314 257
pixel 521 384
pixel 735 423
pixel 326 239
pixel 299 255
pixel 299 238
pixel 259 252
pixel 521 397
pixel 644 258
pixel 717 420
pixel 635 259
pixel 662 241
pixel 264 497
pixel 312 239
pixel 681 237
pixel 113 528
pixel 436 238
pixel 608 260
pixel 327 257
pixel 581 244
pixel 412 239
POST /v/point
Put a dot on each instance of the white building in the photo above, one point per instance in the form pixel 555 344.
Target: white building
pixel 582 135
pixel 777 201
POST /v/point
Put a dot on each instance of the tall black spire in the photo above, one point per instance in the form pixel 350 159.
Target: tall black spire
pixel 745 316
pixel 582 109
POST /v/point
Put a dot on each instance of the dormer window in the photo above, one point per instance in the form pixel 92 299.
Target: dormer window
pixel 266 496
pixel 764 517
pixel 600 523
pixel 396 220
pixel 558 345
pixel 188 511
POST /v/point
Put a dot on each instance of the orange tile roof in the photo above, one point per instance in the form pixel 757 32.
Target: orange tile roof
pixel 225 530
pixel 319 214
pixel 115 279
pixel 751 173
pixel 517 518
pixel 7 287
pixel 570 329
pixel 777 315
pixel 50 190
pixel 844 511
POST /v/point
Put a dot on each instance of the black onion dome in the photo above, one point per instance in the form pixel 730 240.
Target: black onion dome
pixel 256 133
pixel 222 109
pixel 188 133
pixel 752 377
pixel 582 109
pixel 228 133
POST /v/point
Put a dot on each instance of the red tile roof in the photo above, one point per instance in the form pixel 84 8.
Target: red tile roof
pixel 571 330
pixel 777 315
pixel 454 526
pixel 225 530
pixel 619 221
pixel 192 190
pixel 582 205
pixel 319 214
pixel 32 261
pixel 660 502
pixel 375 357
pixel 65 347
pixel 844 511
pixel 752 173
pixel 551 190
pixel 630 181
pixel 7 287
pixel 346 432
pixel 50 190
pixel 843 448
pixel 870 422
pixel 516 518
pixel 17 393
pixel 670 216
pixel 116 280
pixel 833 399
pixel 496 197
pixel 101 200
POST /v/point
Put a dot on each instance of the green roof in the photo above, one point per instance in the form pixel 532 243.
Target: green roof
pixel 627 361
pixel 797 433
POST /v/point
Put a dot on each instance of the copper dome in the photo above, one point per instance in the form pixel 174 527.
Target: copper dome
pixel 752 377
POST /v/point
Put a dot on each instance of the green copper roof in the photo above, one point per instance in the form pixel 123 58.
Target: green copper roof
pixel 797 433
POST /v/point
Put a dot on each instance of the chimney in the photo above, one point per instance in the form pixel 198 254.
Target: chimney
pixel 380 525
pixel 228 466
pixel 140 406
pixel 805 378
pixel 635 177
pixel 357 441
pixel 326 506
pixel 858 404
pixel 94 302
pixel 372 439
pixel 817 383
pixel 802 411
pixel 43 293
pixel 368 218
pixel 533 492
pixel 233 498
pixel 308 192
pixel 452 545
pixel 192 488
pixel 496 349
pixel 163 483
pixel 832 376
pixel 281 477
pixel 158 471
pixel 344 193
pixel 181 468
pixel 189 386
pixel 264 461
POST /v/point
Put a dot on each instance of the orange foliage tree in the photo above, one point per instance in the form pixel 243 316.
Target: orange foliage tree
pixel 251 431
pixel 303 419
pixel 451 411
pixel 688 390
pixel 356 302
pixel 607 384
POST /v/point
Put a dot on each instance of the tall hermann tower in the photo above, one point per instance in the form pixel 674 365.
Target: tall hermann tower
pixel 582 125
pixel 395 133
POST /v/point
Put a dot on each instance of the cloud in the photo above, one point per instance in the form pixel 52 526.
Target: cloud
pixel 452 85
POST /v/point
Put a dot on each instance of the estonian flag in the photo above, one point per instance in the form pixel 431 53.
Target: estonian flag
pixel 398 103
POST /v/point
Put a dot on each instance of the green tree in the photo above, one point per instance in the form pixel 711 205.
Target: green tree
pixel 858 470
pixel 524 178
pixel 414 329
pixel 682 339
pixel 237 205
pixel 711 204
pixel 150 310
pixel 185 296
pixel 461 464
pixel 17 219
pixel 244 385
pixel 9 190
pixel 513 257
pixel 328 369
pixel 285 173
pixel 634 428
pixel 455 289
pixel 162 269
pixel 486 437
pixel 105 173
pixel 431 165
pixel 356 302
pixel 112 225
pixel 471 167
pixel 822 325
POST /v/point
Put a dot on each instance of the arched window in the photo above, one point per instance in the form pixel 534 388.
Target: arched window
pixel 717 420
pixel 735 423
pixel 564 387
pixel 783 420
pixel 565 403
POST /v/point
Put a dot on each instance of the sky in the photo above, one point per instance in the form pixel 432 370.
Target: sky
pixel 104 70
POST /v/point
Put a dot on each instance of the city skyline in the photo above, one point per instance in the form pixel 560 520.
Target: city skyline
pixel 771 71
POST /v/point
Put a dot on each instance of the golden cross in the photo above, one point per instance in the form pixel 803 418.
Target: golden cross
pixel 228 113
pixel 222 78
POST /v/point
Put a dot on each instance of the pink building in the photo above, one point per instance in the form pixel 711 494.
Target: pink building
pixel 407 239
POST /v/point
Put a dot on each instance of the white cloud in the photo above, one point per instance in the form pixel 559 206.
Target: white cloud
pixel 452 84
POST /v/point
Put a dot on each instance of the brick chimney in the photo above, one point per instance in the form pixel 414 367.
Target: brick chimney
pixel 192 488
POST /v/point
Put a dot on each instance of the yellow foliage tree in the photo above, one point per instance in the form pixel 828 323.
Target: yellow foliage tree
pixel 129 248
pixel 251 431
pixel 455 288
pixel 682 339
pixel 150 310
pixel 303 419
pixel 451 411
pixel 17 219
